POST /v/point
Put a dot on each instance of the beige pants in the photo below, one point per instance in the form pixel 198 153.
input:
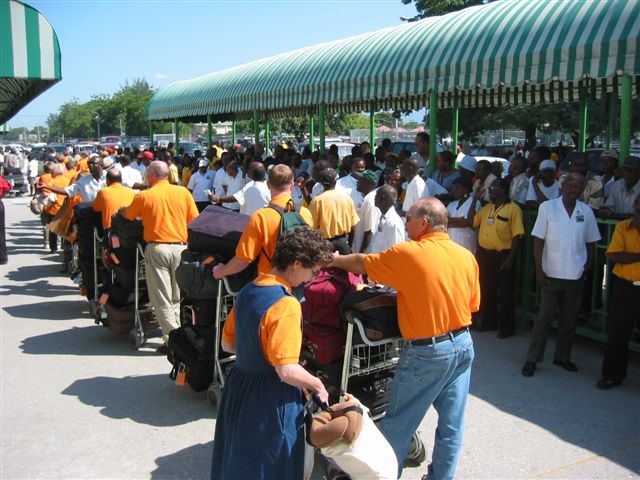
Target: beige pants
pixel 161 261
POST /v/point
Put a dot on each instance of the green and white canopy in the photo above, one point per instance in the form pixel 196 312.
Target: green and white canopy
pixel 29 56
pixel 507 51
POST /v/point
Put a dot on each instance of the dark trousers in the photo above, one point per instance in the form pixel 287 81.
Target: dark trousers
pixel 624 313
pixel 563 297
pixel 3 236
pixel 202 205
pixel 496 287
pixel 53 238
pixel 341 245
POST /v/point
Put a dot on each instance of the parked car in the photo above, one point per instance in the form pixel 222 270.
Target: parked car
pixel 190 147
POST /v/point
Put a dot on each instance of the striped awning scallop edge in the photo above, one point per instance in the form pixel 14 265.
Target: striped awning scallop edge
pixel 29 56
pixel 504 52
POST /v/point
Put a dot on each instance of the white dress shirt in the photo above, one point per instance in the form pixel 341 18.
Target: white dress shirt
pixel 466 237
pixel 518 188
pixel 389 232
pixel 368 213
pixel 233 184
pixel 253 197
pixel 550 192
pixel 415 188
pixel 87 187
pixel 130 176
pixel 199 183
pixel 349 186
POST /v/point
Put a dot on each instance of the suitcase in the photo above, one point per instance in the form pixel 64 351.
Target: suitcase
pixel 374 391
pixel 376 308
pixel 193 347
pixel 129 232
pixel 121 321
pixel 197 311
pixel 325 344
pixel 195 278
pixel 216 231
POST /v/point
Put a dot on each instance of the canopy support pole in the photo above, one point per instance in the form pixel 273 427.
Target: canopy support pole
pixel 321 126
pixel 150 134
pixel 433 129
pixel 454 135
pixel 625 119
pixel 209 131
pixel 256 131
pixel 372 127
pixel 234 135
pixel 176 127
pixel 267 138
pixel 583 120
pixel 312 132
pixel 610 110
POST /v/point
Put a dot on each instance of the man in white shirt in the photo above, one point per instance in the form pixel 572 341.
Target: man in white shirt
pixel 232 183
pixel 543 185
pixel 130 176
pixel 415 184
pixel 564 234
pixel 200 184
pixel 422 143
pixel 89 185
pixel 32 170
pixel 390 229
pixel 519 181
pixel 367 182
pixel 143 160
pixel 619 202
pixel 349 184
pixel 254 195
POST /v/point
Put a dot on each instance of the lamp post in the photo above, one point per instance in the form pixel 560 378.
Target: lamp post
pixel 97 117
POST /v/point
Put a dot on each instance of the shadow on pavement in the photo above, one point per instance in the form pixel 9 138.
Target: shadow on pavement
pixel 193 462
pixel 52 310
pixel 566 404
pixel 148 399
pixel 44 289
pixel 35 272
pixel 32 240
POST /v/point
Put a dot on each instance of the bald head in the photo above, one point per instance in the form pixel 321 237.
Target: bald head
pixel 434 211
pixel 158 170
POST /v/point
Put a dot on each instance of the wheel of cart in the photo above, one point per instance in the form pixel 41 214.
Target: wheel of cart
pixel 224 303
pixel 98 311
pixel 138 335
pixel 364 357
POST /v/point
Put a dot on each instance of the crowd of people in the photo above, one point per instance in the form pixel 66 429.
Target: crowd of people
pixel 447 241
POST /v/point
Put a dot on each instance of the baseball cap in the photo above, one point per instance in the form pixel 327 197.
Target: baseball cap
pixel 610 153
pixel 203 163
pixel 146 154
pixel 327 176
pixel 368 175
pixel 632 162
pixel 468 163
pixel 547 165
pixel 108 163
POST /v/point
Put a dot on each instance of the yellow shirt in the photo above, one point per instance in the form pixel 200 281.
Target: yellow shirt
pixel 261 233
pixel 174 175
pixel 280 328
pixel 333 213
pixel 498 226
pixel 437 282
pixel 186 175
pixel 165 210
pixel 109 200
pixel 626 238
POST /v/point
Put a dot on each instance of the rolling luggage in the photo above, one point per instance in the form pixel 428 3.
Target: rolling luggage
pixel 129 232
pixel 197 311
pixel 195 278
pixel 191 349
pixel 376 308
pixel 216 231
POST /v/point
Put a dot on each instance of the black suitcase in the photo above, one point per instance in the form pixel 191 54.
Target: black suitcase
pixel 129 232
pixel 193 347
pixel 374 391
pixel 195 278
pixel 198 311
pixel 376 308
pixel 86 219
pixel 216 231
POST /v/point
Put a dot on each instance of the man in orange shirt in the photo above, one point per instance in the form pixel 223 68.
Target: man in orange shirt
pixel 165 210
pixel 109 200
pixel 259 237
pixel 435 302
pixel 83 163
pixel 59 181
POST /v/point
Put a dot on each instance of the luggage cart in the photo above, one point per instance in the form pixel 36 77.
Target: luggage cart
pixel 224 303
pixel 98 311
pixel 364 357
pixel 138 335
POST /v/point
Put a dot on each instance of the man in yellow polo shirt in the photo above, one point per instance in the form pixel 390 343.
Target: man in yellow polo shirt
pixel 261 234
pixel 165 210
pixel 500 228
pixel 438 289
pixel 624 306
pixel 334 213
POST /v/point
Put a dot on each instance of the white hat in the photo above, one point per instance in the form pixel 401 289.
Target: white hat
pixel 203 163
pixel 468 163
pixel 547 165
pixel 108 163
pixel 93 155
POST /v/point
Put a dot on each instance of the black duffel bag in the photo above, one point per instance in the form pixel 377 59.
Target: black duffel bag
pixel 194 278
pixel 376 308
pixel 193 347
pixel 217 232
pixel 129 232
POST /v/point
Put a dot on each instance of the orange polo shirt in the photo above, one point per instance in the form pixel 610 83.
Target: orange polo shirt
pixel 60 182
pixel 262 232
pixel 47 179
pixel 82 165
pixel 71 175
pixel 626 239
pixel 280 328
pixel 437 282
pixel 165 210
pixel 109 200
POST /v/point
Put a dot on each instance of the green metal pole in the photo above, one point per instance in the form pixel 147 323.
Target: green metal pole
pixel 612 107
pixel 321 126
pixel 454 136
pixel 433 129
pixel 209 131
pixel 312 131
pixel 625 118
pixel 267 138
pixel 176 127
pixel 372 127
pixel 150 134
pixel 234 135
pixel 256 130
pixel 583 120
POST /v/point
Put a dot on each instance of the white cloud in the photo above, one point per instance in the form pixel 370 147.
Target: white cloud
pixel 162 76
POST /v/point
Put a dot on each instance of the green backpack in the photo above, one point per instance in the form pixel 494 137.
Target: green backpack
pixel 288 223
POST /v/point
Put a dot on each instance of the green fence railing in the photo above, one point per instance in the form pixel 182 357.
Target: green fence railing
pixel 594 313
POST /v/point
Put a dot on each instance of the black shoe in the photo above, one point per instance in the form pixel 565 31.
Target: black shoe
pixel 53 251
pixel 504 334
pixel 606 384
pixel 163 349
pixel 567 365
pixel 528 369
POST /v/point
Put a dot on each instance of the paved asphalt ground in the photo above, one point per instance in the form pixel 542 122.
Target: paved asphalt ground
pixel 79 403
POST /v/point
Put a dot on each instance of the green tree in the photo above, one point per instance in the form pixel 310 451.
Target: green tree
pixel 432 8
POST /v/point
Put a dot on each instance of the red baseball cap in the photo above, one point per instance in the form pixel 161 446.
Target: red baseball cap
pixel 146 154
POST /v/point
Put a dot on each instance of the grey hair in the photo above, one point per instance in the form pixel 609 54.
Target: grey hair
pixel 434 211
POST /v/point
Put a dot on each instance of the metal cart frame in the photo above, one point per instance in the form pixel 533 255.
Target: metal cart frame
pixel 138 334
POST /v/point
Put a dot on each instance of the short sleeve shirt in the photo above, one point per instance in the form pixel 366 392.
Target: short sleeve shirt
pixel 626 238
pixel 565 252
pixel 333 213
pixel 550 192
pixel 415 189
pixel 620 200
pixel 109 200
pixel 498 226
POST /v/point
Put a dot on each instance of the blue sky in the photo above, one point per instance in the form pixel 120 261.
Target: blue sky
pixel 104 43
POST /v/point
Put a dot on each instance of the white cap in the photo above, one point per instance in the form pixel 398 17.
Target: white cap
pixel 547 165
pixel 468 163
pixel 203 163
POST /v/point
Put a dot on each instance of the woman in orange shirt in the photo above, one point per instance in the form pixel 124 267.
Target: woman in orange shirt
pixel 259 428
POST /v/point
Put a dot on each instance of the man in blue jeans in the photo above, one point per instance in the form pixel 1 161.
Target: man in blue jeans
pixel 435 302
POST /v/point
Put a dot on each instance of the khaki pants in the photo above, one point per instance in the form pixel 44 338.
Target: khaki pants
pixel 161 261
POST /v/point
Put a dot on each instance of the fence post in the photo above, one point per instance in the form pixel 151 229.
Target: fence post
pixel 321 126
pixel 625 118
pixel 433 129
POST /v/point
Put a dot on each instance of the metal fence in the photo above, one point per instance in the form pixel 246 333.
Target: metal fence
pixel 594 312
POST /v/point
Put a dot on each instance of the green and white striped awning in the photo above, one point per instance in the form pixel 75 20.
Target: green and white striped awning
pixel 504 52
pixel 29 56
